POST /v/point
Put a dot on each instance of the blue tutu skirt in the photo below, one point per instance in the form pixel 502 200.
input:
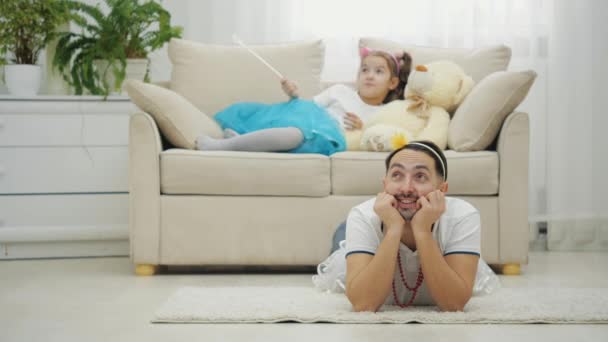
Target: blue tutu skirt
pixel 321 132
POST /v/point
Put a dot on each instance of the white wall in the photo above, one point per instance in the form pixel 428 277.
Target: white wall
pixel 600 108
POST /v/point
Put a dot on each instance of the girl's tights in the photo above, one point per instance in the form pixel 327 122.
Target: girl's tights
pixel 265 140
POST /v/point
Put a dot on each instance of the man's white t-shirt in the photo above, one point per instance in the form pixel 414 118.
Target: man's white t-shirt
pixel 340 99
pixel 457 232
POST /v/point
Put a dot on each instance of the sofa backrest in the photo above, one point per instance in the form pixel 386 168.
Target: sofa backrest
pixel 215 76
pixel 477 63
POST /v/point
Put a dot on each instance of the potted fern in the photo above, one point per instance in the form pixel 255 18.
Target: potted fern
pixel 111 46
pixel 26 27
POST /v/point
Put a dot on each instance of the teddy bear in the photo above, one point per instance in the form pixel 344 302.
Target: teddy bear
pixel 433 91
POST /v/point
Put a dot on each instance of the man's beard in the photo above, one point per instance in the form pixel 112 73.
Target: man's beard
pixel 407 213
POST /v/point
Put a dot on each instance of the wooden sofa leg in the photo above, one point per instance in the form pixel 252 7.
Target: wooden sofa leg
pixel 146 269
pixel 510 269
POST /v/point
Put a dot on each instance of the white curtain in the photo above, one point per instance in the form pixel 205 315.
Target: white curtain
pixel 565 42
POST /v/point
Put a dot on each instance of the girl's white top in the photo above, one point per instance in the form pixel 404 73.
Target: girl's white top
pixel 340 99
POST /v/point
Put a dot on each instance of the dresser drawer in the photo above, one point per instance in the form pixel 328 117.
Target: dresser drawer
pixel 64 210
pixel 27 170
pixel 64 130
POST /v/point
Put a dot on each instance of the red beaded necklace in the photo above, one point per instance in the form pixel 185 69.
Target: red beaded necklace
pixel 414 289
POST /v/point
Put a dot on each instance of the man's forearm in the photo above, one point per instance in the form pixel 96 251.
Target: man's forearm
pixel 449 291
pixel 367 290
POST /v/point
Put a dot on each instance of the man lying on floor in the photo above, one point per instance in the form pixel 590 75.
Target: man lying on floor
pixel 411 245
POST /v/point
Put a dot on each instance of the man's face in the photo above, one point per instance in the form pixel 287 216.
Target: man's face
pixel 411 174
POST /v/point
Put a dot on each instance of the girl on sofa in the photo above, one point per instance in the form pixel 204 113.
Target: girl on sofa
pixel 301 126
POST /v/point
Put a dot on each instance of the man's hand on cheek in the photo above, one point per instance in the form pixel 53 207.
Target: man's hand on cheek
pixel 385 207
pixel 432 206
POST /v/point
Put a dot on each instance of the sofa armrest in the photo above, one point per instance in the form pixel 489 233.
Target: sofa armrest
pixel 144 189
pixel 513 151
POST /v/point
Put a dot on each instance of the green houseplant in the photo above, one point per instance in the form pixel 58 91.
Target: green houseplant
pixel 26 27
pixel 130 30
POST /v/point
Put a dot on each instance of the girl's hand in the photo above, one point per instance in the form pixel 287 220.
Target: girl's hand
pixel 352 122
pixel 384 207
pixel 290 88
pixel 432 206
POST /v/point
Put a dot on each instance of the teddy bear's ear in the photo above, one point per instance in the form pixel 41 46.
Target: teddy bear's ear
pixel 466 84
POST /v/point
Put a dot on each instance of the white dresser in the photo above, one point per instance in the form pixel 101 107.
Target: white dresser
pixel 63 176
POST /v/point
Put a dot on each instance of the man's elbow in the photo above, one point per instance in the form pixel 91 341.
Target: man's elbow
pixel 456 302
pixel 365 307
pixel 453 306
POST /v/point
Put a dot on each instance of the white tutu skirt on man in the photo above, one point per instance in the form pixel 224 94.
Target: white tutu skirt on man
pixel 331 274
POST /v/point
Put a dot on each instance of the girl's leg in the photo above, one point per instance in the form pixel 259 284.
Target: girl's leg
pixel 229 133
pixel 265 140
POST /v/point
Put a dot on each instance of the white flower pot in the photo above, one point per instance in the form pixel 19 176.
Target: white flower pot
pixel 136 69
pixel 23 79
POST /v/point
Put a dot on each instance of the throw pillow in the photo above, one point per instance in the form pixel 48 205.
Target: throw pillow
pixel 178 120
pixel 479 117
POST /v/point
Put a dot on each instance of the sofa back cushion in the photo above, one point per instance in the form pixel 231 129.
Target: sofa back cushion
pixel 215 76
pixel 477 63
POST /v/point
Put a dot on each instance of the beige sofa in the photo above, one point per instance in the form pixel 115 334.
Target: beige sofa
pixel 237 208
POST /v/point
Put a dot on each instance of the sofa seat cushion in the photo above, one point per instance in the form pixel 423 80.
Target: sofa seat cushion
pixel 244 173
pixel 361 173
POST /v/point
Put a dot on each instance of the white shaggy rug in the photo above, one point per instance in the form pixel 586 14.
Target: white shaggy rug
pixel 307 305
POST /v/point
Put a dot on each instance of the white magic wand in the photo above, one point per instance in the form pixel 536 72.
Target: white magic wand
pixel 240 42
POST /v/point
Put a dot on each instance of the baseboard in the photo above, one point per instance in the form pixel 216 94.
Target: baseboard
pixel 69 249
pixel 582 234
pixel 538 236
pixel 63 241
